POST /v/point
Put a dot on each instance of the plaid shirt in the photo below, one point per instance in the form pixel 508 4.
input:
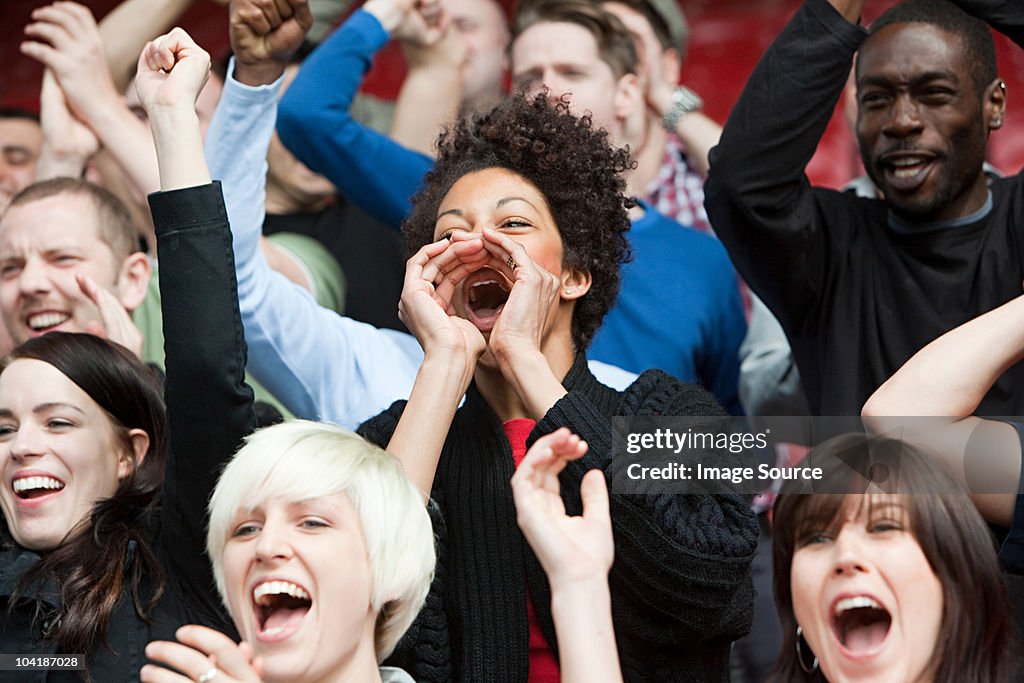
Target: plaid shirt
pixel 678 190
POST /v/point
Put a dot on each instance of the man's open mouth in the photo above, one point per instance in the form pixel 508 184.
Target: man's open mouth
pixel 44 322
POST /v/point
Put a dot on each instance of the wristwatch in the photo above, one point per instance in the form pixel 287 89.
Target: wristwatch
pixel 684 101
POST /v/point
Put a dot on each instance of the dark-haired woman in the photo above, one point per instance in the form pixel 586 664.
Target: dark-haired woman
pixel 899 582
pixel 519 233
pixel 95 562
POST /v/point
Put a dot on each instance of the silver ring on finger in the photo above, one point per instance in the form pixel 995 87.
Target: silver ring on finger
pixel 511 263
pixel 209 675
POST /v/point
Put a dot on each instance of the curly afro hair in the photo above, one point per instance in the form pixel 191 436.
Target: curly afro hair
pixel 572 164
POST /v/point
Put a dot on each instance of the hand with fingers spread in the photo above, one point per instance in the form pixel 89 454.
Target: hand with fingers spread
pixel 576 554
pixel 65 38
pixel 202 654
pixel 115 322
pixel 519 330
pixel 571 549
pixel 264 36
pixel 67 142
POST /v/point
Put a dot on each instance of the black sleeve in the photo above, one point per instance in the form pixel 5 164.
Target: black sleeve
pixel 209 406
pixel 1005 16
pixel 757 194
pixel 682 562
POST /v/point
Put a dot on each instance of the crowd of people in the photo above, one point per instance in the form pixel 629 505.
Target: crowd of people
pixel 248 435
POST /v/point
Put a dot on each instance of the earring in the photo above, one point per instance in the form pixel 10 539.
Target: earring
pixel 800 654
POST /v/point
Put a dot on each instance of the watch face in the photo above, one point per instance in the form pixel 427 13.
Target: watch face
pixel 684 101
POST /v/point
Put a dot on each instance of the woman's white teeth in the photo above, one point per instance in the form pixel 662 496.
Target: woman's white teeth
pixel 43 320
pixel 278 588
pixel 32 483
pixel 858 602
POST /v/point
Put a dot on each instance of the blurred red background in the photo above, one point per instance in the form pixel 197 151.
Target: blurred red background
pixel 727 38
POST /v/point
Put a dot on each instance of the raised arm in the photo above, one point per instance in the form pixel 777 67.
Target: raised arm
pixel 451 348
pixel 1003 15
pixel 127 28
pixel 209 405
pixel 668 547
pixel 369 168
pixel 930 403
pixel 757 194
pixel 576 553
pixel 319 364
pixel 432 91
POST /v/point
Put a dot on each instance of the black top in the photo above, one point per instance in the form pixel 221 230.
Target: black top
pixel 209 411
pixel 856 297
pixel 680 586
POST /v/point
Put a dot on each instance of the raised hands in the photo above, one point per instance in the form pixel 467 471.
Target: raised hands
pixel 571 549
pixel 67 142
pixel 202 654
pixel 65 38
pixel 575 552
pixel 172 70
pixel 264 36
pixel 419 22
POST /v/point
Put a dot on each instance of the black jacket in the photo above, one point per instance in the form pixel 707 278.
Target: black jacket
pixel 209 411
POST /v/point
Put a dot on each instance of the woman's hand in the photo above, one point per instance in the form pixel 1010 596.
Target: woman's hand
pixel 519 330
pixel 201 654
pixel 572 550
pixel 68 143
pixel 426 303
pixel 66 39
pixel 172 71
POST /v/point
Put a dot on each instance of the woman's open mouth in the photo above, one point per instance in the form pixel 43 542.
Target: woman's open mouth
pixel 279 607
pixel 33 489
pixel 486 293
pixel 861 625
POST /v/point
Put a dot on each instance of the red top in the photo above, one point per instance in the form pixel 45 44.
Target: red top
pixel 543 665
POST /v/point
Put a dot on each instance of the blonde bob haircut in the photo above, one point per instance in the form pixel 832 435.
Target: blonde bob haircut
pixel 301 460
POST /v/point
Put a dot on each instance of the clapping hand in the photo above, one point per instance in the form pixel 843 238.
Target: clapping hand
pixel 201 654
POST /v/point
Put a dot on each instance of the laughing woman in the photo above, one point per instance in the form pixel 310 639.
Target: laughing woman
pixel 94 562
pixel 519 236
pixel 901 585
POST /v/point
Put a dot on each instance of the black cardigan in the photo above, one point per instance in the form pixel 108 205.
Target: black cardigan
pixel 681 588
pixel 209 411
